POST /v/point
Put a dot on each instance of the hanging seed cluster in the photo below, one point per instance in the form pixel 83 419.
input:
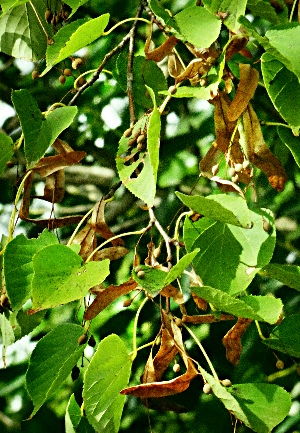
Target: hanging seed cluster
pixel 137 138
pixel 61 13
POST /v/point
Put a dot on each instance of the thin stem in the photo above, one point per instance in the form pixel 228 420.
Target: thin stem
pixel 125 21
pixel 274 124
pixel 78 226
pixel 203 351
pixel 176 231
pixel 138 232
pixel 88 72
pixel 282 373
pixel 11 225
pixel 292 11
pixel 134 344
pixel 143 347
pixel 259 330
pixel 39 20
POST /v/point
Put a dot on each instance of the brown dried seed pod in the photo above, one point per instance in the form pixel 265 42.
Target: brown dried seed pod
pixel 172 90
pixel 92 341
pixel 62 79
pixel 226 382
pixel 48 16
pixel 280 364
pixel 207 389
pixel 82 339
pixel 35 74
pixel 76 63
pixel 131 142
pixel 127 303
pixel 140 146
pixel 67 72
pixel 231 171
pixel 81 81
pixel 176 368
pixel 141 138
pixel 128 132
pixel 75 373
pixel 141 274
pixel 238 167
pixel 138 269
pixel 266 225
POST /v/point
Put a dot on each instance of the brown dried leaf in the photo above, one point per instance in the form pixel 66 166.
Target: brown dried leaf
pixel 171 292
pixel 48 165
pixel 100 226
pixel 165 355
pixel 54 190
pixel 191 71
pixel 200 302
pixel 259 153
pixel 236 45
pixel 162 51
pixel 112 253
pixel 206 318
pixel 175 67
pixel 248 82
pixel 224 128
pixel 107 296
pixel 87 239
pixel 232 340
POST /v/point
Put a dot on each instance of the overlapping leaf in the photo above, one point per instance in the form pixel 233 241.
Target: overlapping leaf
pixel 107 373
pixel 231 8
pixel 285 337
pixel 286 274
pixel 6 150
pixel 292 142
pixel 52 361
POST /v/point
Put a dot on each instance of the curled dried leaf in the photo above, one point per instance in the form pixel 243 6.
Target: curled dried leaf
pixel 245 91
pixel 175 67
pixel 232 340
pixel 258 152
pixel 162 51
pixel 200 302
pixel 171 292
pixel 192 70
pixel 235 46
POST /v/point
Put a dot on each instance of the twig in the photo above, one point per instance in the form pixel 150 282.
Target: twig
pixel 96 74
pixel 130 66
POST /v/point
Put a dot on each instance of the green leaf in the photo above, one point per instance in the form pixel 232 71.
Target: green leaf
pixel 163 16
pixel 142 183
pixel 232 7
pixel 64 277
pixel 230 256
pixel 283 88
pixel 146 74
pixel 39 132
pixel 293 143
pixel 220 207
pixel 255 404
pixel 21 35
pixel 18 266
pixel 286 274
pixel 259 402
pixel 263 308
pixel 153 280
pixel 280 39
pixel 7 333
pixel 178 269
pixel 265 10
pixel 107 374
pixel 6 150
pixel 73 37
pixel 195 92
pixel 286 337
pixel 10 4
pixel 198 26
pixel 153 135
pixel 75 4
pixel 72 416
pixel 52 361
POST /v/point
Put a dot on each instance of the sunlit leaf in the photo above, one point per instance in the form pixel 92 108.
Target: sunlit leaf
pixel 220 207
pixel 180 266
pixel 196 92
pixel 231 8
pixel 107 373
pixel 285 337
pixel 198 26
pixel 263 308
pixel 152 281
pixel 52 361
pixel 64 277
pixel 21 35
pixel 6 150
pixel 7 334
pixel 18 266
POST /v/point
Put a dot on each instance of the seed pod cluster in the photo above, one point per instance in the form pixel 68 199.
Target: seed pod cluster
pixel 57 17
pixel 137 138
pixel 236 169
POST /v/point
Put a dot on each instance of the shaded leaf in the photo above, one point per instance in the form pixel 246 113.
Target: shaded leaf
pixel 238 254
pixel 73 37
pixel 232 340
pixel 7 334
pixel 64 277
pixel 265 9
pixel 6 150
pixel 21 35
pixel 286 274
pixel 231 8
pixel 72 416
pixel 292 142
pixel 107 296
pixel 107 373
pixel 245 91
pixel 220 207
pixel 18 265
pixel 265 308
pixel 283 89
pixel 193 18
pixel 285 337
pixel 52 361
pixel 152 281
